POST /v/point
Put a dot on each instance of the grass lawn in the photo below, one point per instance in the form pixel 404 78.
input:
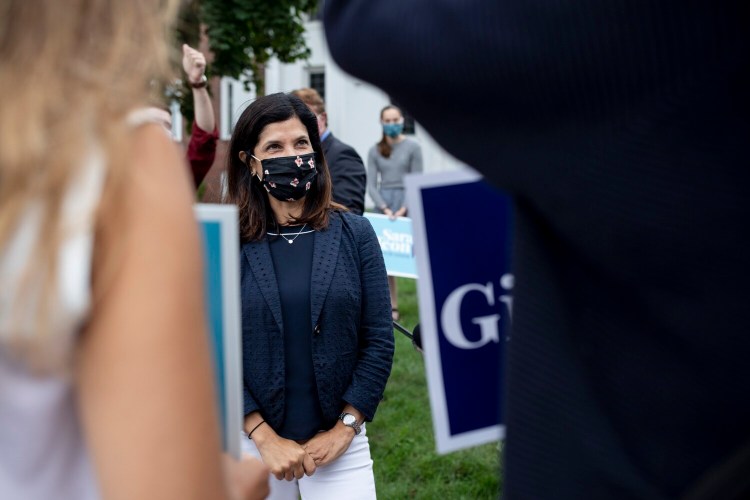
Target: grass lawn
pixel 401 436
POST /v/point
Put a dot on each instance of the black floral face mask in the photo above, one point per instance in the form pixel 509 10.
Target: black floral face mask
pixel 288 178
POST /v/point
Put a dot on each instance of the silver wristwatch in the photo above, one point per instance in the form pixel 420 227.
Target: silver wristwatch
pixel 351 421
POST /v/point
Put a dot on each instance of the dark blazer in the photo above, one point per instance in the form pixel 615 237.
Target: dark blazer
pixel 352 340
pixel 621 130
pixel 348 174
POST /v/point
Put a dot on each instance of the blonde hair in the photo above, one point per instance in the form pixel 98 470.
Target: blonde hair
pixel 71 71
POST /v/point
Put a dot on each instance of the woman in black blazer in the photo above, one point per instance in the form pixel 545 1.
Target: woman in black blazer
pixel 317 333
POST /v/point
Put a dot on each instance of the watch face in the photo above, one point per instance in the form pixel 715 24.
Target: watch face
pixel 349 419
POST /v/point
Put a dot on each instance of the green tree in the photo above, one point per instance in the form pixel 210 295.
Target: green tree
pixel 245 34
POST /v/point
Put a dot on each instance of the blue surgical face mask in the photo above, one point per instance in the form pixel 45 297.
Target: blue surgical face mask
pixel 393 129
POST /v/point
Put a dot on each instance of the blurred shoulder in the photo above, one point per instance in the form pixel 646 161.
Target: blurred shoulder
pixel 346 155
pixel 157 166
pixel 338 143
pixel 347 149
pixel 154 188
pixel 150 145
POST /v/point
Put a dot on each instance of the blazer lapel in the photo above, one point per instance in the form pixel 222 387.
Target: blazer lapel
pixel 258 255
pixel 325 255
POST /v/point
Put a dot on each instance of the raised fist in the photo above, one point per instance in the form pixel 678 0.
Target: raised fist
pixel 194 63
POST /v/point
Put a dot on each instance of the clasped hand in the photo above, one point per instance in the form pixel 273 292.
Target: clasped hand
pixel 325 447
pixel 285 458
pixel 289 460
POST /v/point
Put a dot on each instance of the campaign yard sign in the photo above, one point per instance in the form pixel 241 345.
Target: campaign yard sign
pixel 220 230
pixel 462 239
pixel 396 242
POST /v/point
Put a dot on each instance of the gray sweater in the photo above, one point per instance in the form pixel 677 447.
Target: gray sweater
pixel 388 173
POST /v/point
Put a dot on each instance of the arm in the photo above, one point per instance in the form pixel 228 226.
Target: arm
pixel 375 334
pixel 202 146
pixel 325 447
pixel 194 64
pixel 249 400
pixel 352 29
pixel 201 152
pixel 349 179
pixel 204 110
pixel 143 375
pixel 414 167
pixel 543 68
pixel 375 352
pixel 372 178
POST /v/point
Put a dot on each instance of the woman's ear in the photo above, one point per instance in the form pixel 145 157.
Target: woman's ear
pixel 247 160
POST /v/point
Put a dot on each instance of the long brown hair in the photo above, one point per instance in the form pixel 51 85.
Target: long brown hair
pixel 246 190
pixel 384 147
pixel 74 70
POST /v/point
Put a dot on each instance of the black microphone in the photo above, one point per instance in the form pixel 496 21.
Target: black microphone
pixel 415 337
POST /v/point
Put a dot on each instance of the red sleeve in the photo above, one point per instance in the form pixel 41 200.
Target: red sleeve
pixel 201 152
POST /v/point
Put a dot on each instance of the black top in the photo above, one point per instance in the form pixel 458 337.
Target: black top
pixel 292 263
pixel 621 130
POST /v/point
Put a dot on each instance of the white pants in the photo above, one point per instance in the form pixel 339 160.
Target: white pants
pixel 349 476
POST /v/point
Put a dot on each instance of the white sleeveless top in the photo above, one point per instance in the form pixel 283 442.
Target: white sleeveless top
pixel 42 452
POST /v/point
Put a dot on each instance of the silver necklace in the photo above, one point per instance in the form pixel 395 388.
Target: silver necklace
pixel 290 241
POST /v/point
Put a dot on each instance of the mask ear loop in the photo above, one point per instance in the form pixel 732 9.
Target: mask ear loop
pixel 249 159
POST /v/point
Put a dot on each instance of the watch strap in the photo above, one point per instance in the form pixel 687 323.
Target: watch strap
pixel 200 84
pixel 354 425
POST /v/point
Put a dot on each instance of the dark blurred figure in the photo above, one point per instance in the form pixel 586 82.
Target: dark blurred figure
pixel 347 170
pixel 621 130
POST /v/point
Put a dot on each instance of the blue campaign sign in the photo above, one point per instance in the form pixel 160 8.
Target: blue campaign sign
pixel 462 229
pixel 396 242
pixel 221 271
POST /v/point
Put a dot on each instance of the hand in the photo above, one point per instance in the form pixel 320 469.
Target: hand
pixel 325 447
pixel 246 479
pixel 401 212
pixel 193 62
pixel 286 459
pixel 389 213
